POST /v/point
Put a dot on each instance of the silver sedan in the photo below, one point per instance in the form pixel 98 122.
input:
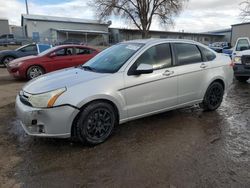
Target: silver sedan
pixel 127 81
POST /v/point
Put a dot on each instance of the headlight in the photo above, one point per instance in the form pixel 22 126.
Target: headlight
pixel 45 99
pixel 237 59
pixel 15 64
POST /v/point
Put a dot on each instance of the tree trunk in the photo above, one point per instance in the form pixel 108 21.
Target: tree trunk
pixel 145 34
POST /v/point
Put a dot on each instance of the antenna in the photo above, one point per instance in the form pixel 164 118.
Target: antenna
pixel 27 7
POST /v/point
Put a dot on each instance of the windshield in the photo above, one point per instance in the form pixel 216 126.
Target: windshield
pixel 48 51
pixel 113 58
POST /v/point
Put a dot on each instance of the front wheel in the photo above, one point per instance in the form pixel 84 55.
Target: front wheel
pixel 242 78
pixel 95 123
pixel 6 60
pixel 213 97
pixel 34 71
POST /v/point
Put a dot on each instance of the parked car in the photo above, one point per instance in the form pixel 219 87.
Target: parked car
pixel 127 81
pixel 220 46
pixel 7 56
pixel 228 52
pixel 241 59
pixel 56 58
pixel 10 39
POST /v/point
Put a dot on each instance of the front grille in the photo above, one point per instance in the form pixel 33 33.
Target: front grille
pixel 245 59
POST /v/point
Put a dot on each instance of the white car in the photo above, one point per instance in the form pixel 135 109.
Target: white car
pixel 127 81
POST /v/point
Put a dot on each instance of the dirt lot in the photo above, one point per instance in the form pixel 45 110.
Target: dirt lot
pixel 180 148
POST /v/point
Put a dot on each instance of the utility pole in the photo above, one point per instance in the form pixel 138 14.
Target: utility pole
pixel 27 7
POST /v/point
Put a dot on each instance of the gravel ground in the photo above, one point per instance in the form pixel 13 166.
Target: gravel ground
pixel 180 148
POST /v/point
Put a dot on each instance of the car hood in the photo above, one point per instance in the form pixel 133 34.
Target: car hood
pixel 6 51
pixel 59 79
pixel 245 52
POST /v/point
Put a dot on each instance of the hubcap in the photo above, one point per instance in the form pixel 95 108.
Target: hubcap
pixel 99 124
pixel 35 72
pixel 215 96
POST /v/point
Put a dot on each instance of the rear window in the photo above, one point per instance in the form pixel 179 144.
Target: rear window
pixel 187 53
pixel 209 55
pixel 83 51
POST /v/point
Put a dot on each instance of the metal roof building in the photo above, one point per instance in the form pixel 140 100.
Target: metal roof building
pixel 240 30
pixel 118 35
pixel 58 29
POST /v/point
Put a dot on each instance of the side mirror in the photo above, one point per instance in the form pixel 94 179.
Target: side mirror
pixel 144 69
pixel 53 54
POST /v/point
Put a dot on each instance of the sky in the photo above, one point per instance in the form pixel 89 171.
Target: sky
pixel 197 15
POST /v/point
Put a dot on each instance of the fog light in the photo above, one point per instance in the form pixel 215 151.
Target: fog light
pixel 34 122
pixel 41 129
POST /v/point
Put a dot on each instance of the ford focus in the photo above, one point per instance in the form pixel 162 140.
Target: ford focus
pixel 127 81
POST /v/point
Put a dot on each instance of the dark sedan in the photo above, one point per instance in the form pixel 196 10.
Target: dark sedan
pixel 31 49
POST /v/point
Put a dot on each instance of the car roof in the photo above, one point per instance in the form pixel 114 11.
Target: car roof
pixel 74 45
pixel 155 40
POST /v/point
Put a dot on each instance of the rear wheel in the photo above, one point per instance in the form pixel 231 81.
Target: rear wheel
pixel 34 71
pixel 95 123
pixel 213 97
pixel 6 60
pixel 242 78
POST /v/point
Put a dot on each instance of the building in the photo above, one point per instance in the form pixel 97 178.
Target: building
pixel 118 35
pixel 240 30
pixel 226 32
pixel 4 26
pixel 58 29
pixel 17 31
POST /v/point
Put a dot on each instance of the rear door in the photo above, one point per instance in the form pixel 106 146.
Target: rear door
pixel 191 70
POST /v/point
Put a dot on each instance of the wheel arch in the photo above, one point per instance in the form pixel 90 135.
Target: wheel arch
pixel 112 103
pixel 216 79
pixel 27 68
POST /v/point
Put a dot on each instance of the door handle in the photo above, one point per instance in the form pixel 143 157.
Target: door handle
pixel 203 66
pixel 168 73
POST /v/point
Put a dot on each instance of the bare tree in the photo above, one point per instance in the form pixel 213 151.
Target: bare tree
pixel 245 10
pixel 141 12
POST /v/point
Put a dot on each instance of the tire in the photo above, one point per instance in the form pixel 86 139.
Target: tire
pixel 90 126
pixel 34 71
pixel 242 78
pixel 6 60
pixel 213 97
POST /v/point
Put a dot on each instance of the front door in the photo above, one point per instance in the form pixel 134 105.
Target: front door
pixel 149 93
pixel 62 58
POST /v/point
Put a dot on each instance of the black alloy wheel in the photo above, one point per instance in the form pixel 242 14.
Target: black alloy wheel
pixel 96 123
pixel 213 97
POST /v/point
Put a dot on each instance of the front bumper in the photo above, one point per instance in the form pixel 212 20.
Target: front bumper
pixel 47 122
pixel 241 70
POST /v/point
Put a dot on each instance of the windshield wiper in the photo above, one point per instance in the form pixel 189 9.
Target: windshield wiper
pixel 88 68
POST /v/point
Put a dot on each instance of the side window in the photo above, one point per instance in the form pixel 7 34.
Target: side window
pixel 207 53
pixel 64 52
pixel 29 48
pixel 10 36
pixel 242 44
pixel 3 36
pixel 187 53
pixel 159 56
pixel 83 51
